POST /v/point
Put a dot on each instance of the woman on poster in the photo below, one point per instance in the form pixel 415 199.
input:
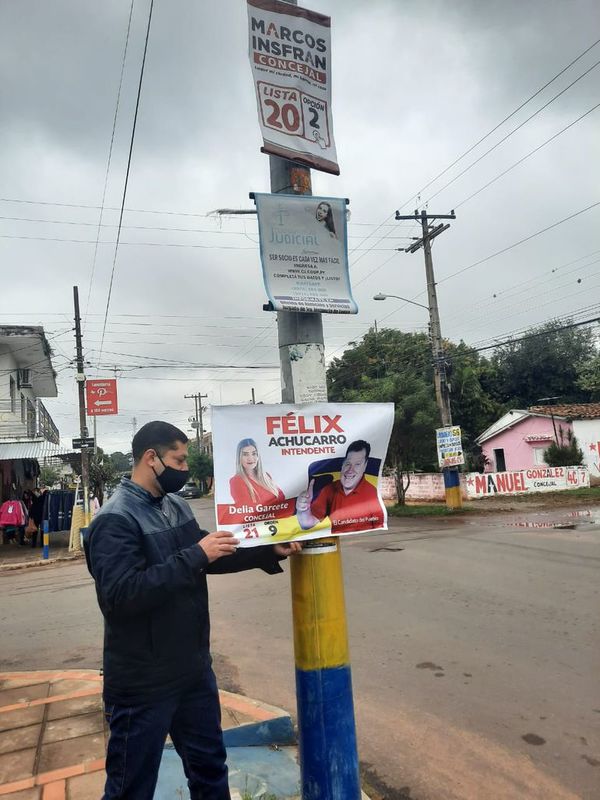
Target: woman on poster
pixel 324 216
pixel 251 485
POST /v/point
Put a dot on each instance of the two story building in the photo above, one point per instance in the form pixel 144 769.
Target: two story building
pixel 28 435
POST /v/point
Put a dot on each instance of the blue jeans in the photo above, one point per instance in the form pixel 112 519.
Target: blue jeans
pixel 137 738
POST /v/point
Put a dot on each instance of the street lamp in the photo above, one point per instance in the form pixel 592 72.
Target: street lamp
pixel 381 296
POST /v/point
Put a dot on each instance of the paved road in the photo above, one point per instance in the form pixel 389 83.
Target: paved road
pixel 474 652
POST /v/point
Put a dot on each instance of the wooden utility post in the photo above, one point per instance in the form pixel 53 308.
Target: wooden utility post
pixel 83 429
pixel 198 398
pixel 442 391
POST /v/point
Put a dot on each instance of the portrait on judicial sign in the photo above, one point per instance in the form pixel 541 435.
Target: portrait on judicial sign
pixel 295 472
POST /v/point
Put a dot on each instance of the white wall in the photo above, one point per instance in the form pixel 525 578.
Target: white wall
pixel 587 432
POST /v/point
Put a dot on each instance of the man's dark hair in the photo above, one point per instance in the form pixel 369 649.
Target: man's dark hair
pixel 357 446
pixel 157 435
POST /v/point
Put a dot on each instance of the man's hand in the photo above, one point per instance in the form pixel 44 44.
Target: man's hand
pixel 304 500
pixel 218 544
pixel 288 548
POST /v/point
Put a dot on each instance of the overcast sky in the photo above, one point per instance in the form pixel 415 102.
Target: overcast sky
pixel 414 86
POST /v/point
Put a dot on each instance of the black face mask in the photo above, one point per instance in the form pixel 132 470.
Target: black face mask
pixel 170 479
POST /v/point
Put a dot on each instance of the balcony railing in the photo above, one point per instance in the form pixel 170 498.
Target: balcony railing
pixel 22 418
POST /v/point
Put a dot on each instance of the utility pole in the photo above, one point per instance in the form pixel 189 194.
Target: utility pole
pixel 75 544
pixel 197 398
pixel 442 390
pixel 326 726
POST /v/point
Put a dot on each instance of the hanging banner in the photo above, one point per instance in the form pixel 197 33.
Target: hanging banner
pixel 294 472
pixel 449 446
pixel 304 253
pixel 101 397
pixel 290 56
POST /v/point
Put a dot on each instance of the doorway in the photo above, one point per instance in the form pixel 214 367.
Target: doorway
pixel 499 459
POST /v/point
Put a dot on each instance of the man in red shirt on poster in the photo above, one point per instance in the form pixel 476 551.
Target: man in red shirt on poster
pixel 351 503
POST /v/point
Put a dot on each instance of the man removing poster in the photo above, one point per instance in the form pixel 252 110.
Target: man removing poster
pixel 286 472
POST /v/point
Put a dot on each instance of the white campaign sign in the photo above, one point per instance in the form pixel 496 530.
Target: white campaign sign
pixel 290 56
pixel 536 479
pixel 288 472
pixel 304 253
pixel 449 446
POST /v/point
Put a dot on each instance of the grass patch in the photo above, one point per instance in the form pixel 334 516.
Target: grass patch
pixel 431 510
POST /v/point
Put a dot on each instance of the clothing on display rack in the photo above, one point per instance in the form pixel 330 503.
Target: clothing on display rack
pixel 58 508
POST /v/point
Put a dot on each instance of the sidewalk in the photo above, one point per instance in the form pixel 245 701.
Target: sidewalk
pixel 14 557
pixel 53 738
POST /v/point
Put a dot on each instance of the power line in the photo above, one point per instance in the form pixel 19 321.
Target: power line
pixel 150 244
pixel 516 244
pixel 472 147
pixel 501 123
pixel 131 142
pixel 521 160
pixel 162 228
pixel 514 130
pixel 110 149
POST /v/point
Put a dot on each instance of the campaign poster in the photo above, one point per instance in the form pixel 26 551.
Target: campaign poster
pixel 449 446
pixel 290 57
pixel 304 253
pixel 296 472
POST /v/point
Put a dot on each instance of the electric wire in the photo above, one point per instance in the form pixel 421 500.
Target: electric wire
pixel 108 163
pixel 510 133
pixel 131 143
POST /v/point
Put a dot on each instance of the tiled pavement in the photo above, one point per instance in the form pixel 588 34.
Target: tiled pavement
pixel 53 735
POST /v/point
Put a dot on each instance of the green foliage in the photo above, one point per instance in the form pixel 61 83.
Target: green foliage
pixel 546 365
pixel 589 377
pixel 201 467
pixel 102 473
pixel 564 453
pixel 120 461
pixel 49 475
pixel 392 366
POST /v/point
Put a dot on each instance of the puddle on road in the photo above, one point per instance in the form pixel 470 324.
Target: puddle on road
pixel 557 520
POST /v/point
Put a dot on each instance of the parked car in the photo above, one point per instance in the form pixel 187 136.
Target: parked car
pixel 190 490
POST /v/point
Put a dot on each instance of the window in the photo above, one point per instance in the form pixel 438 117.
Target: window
pixel 500 460
pixel 538 456
pixel 23 409
pixel 13 395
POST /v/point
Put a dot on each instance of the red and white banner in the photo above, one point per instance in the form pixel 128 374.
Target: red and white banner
pixel 290 57
pixel 287 472
pixel 536 479
pixel 101 397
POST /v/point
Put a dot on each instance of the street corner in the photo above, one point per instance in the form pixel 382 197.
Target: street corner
pixel 52 735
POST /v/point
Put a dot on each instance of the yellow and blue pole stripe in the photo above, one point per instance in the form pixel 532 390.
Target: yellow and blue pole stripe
pixel 326 728
pixel 46 540
pixel 452 487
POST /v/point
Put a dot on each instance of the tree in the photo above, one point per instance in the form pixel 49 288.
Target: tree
pixel 390 365
pixel 547 364
pixel 201 467
pixel 102 473
pixel 120 461
pixel 566 452
pixel 49 475
pixel 589 377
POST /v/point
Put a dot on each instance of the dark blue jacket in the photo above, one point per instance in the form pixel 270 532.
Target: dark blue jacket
pixel 150 579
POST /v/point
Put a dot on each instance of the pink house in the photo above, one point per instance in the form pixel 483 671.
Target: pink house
pixel 519 438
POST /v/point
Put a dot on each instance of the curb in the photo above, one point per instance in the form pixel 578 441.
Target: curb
pixel 41 563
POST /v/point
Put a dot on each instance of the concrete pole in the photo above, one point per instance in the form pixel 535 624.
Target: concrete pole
pixel 326 727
